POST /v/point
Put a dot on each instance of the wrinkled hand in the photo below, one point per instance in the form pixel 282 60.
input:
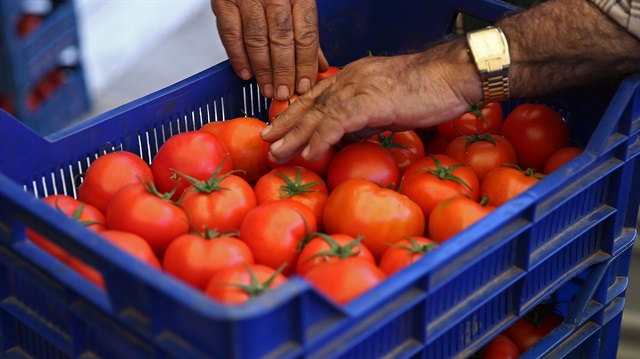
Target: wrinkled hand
pixel 375 94
pixel 275 40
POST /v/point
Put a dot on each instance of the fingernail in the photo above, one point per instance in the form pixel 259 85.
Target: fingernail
pixel 283 93
pixel 304 85
pixel 265 131
pixel 268 91
pixel 305 152
pixel 245 74
pixel 277 144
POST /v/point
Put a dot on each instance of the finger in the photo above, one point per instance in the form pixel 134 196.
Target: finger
pixel 229 24
pixel 323 63
pixel 305 24
pixel 256 43
pixel 282 46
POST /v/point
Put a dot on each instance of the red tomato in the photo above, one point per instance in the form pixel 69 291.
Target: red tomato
pixel 560 158
pixel 342 281
pixel 436 145
pixel 139 209
pixel 6 103
pixel 247 149
pixel 500 347
pixel 406 147
pixel 404 252
pixel 536 132
pixel 196 258
pixel 108 174
pixel 221 202
pixel 319 166
pixel 324 248
pixel 482 152
pixel 28 23
pixel 134 245
pixel 535 325
pixel 196 153
pixel 276 230
pixel 330 71
pixel 360 207
pixel 455 214
pixel 507 182
pixel 85 270
pixel 237 284
pixel 278 106
pixel 33 101
pixel 297 183
pixel 433 179
pixel 365 160
pixel 481 118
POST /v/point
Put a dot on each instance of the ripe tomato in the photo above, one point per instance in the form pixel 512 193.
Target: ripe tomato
pixel 342 281
pixel 139 209
pixel 431 180
pixel 536 131
pixel 365 160
pixel 196 153
pixel 481 118
pixel 278 106
pixel 319 166
pixel 404 252
pixel 560 158
pixel 108 174
pixel 436 145
pixel 297 183
pixel 85 270
pixel 28 23
pixel 324 248
pixel 276 230
pixel 482 152
pixel 507 182
pixel 455 214
pixel 406 147
pixel 237 284
pixel 195 258
pixel 535 325
pixel 330 71
pixel 500 347
pixel 134 245
pixel 246 147
pixel 360 207
pixel 220 202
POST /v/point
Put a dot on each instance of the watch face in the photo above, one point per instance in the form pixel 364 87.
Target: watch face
pixel 487 45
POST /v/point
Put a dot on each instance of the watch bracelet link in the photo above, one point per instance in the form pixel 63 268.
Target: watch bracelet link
pixel 495 88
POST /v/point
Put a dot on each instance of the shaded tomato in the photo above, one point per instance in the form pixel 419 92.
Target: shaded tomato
pixel 455 214
pixel 406 147
pixel 85 270
pixel 532 327
pixel 500 347
pixel 482 152
pixel 324 248
pixel 481 118
pixel 560 158
pixel 319 166
pixel 278 106
pixel 134 245
pixel 237 284
pixel 330 71
pixel 404 252
pixel 435 145
pixel 365 160
pixel 507 182
pixel 536 131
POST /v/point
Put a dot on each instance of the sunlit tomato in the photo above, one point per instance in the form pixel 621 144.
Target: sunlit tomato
pixel 342 281
pixel 237 284
pixel 455 214
pixel 247 148
pixel 319 166
pixel 536 131
pixel 324 248
pixel 532 327
pixel 330 71
pixel 500 347
pixel 365 160
pixel 276 230
pixel 108 174
pixel 481 118
pixel 482 152
pixel 196 258
pixel 507 182
pixel 560 158
pixel 404 252
pixel 406 147
pixel 360 207
pixel 278 106
pixel 196 153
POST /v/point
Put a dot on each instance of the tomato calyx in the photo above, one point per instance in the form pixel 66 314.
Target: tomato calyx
pixel 477 137
pixel 307 235
pixel 150 187
pixel 530 172
pixel 77 213
pixel 387 141
pixel 444 172
pixel 415 247
pixel 337 250
pixel 212 233
pixel 475 109
pixel 484 202
pixel 293 188
pixel 210 185
pixel 256 288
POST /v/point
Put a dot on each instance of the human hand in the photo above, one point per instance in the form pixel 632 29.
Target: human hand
pixel 274 40
pixel 375 94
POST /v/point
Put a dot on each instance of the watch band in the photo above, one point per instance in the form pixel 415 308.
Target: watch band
pixel 490 52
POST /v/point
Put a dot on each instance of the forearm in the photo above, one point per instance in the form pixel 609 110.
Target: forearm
pixel 564 43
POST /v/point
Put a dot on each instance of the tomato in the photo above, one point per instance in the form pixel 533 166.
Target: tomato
pixel 436 145
pixel 324 248
pixel 535 325
pixel 195 258
pixel 342 281
pixel 276 230
pixel 85 270
pixel 481 118
pixel 364 160
pixel 406 147
pixel 360 207
pixel 278 106
pixel 6 103
pixel 134 245
pixel 33 101
pixel 500 347
pixel 319 166
pixel 536 131
pixel 507 182
pixel 139 209
pixel 482 152
pixel 560 158
pixel 246 147
pixel 108 174
pixel 404 252
pixel 431 180
pixel 28 23
pixel 455 214
pixel 237 284
pixel 196 153
pixel 221 202
pixel 330 71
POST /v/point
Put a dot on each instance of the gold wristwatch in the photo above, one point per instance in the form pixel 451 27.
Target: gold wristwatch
pixel 490 52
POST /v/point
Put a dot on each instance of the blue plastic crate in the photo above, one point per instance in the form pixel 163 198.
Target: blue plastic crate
pixel 447 305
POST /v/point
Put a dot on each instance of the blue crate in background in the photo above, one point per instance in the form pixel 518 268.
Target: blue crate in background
pixel 569 236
